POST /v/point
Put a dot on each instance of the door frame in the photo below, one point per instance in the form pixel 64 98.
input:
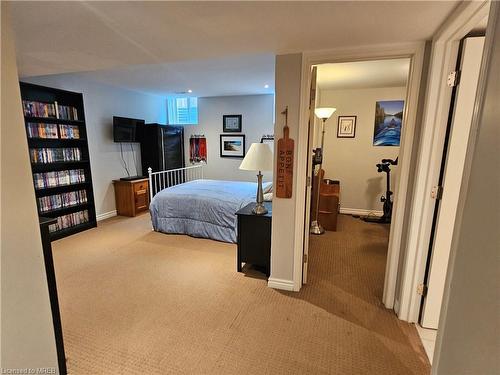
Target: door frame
pixel 413 51
pixel 436 109
pixel 470 52
pixel 309 170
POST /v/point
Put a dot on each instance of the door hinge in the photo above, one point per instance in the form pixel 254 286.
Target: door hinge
pixel 422 289
pixel 453 78
pixel 305 258
pixel 437 192
pixel 308 181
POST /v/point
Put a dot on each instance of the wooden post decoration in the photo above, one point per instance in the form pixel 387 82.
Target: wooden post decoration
pixel 284 172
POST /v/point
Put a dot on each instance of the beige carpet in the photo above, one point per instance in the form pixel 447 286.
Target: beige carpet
pixel 138 302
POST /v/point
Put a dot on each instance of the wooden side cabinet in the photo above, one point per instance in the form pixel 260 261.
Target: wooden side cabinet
pixel 254 238
pixel 131 197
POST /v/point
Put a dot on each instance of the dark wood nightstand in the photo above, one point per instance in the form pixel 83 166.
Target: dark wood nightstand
pixel 131 196
pixel 254 238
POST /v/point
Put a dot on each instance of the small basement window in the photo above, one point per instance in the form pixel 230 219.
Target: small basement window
pixel 182 110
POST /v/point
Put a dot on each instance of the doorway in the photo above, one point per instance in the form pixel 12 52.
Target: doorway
pixel 353 168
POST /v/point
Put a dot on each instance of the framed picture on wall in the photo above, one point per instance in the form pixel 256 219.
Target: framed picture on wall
pixel 269 139
pixel 388 122
pixel 231 123
pixel 232 146
pixel 346 127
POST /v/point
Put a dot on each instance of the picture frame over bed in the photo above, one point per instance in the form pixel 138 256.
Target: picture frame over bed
pixel 231 123
pixel 232 146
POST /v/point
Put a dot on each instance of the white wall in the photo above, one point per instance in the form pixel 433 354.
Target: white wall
pixel 27 335
pixel 101 103
pixel 353 160
pixel 288 79
pixel 257 120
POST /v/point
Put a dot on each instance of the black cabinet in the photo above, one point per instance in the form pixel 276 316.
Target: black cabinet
pixel 162 147
pixel 254 238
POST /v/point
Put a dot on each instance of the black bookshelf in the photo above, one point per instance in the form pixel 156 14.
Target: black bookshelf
pixel 49 173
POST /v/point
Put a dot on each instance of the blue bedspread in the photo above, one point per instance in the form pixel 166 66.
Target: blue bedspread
pixel 201 208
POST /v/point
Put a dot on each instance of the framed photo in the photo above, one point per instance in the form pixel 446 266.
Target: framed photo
pixel 232 146
pixel 231 123
pixel 388 122
pixel 269 139
pixel 346 127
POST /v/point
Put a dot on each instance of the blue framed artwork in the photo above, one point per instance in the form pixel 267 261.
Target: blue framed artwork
pixel 388 122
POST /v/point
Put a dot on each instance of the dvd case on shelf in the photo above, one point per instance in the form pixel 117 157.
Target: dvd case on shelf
pixel 70 220
pixel 51 155
pixel 58 178
pixel 63 200
pixel 39 109
pixel 67 112
pixel 69 131
pixel 41 130
pixel 49 110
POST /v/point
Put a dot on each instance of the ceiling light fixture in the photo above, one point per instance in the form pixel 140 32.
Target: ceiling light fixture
pixel 266 86
pixel 190 91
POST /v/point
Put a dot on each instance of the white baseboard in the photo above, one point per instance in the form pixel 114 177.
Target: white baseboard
pixel 280 284
pixel 360 211
pixel 106 215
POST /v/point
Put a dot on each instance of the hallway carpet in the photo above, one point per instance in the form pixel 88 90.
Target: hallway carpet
pixel 138 302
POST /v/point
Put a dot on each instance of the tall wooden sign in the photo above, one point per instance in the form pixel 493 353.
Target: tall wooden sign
pixel 284 170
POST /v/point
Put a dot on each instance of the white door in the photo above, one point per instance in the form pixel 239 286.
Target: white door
pixel 307 214
pixel 452 179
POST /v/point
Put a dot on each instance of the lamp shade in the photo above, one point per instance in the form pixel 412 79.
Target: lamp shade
pixel 258 158
pixel 324 113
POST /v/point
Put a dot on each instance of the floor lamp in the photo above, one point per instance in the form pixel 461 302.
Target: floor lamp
pixel 323 114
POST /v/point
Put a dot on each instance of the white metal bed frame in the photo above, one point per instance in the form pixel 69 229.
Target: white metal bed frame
pixel 164 179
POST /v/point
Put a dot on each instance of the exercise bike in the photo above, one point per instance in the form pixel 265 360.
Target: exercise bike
pixel 384 166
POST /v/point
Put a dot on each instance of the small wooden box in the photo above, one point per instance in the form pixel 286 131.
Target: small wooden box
pixel 132 197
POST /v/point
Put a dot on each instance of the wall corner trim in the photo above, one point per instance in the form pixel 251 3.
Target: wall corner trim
pixel 281 284
pixel 106 215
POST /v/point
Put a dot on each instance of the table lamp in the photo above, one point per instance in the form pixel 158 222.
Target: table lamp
pixel 258 158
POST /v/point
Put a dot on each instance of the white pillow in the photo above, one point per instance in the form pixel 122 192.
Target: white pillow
pixel 268 197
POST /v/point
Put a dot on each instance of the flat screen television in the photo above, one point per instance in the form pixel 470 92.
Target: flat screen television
pixel 124 129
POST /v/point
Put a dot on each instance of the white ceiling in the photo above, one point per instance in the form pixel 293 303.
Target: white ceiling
pixel 60 37
pixel 233 75
pixel 363 74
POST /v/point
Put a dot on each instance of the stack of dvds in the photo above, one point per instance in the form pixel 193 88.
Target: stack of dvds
pixel 58 178
pixel 39 109
pixel 70 220
pixel 58 201
pixel 67 113
pixel 52 155
pixel 69 131
pixel 40 130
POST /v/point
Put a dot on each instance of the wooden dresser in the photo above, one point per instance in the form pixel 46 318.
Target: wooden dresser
pixel 329 199
pixel 132 197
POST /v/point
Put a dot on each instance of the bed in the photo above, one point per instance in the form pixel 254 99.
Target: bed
pixel 199 207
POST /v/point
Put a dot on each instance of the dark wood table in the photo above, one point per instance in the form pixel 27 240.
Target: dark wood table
pixel 254 238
